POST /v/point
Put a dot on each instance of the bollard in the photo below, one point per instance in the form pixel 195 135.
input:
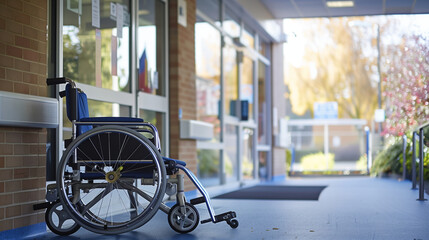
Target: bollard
pixel 368 150
pixel 413 162
pixel 404 157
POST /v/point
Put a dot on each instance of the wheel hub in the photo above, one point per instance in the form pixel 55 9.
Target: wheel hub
pixel 113 176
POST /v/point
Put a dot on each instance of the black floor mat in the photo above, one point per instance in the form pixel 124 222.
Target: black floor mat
pixel 261 192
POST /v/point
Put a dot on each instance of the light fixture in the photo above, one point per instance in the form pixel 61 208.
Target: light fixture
pixel 340 4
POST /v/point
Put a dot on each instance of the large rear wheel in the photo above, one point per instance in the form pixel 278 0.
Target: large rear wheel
pixel 111 180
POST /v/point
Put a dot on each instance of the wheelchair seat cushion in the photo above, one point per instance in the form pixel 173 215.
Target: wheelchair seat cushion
pixel 111 119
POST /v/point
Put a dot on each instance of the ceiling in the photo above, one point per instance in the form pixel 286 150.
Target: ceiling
pixel 317 8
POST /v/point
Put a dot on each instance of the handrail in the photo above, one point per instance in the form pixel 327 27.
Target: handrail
pixel 421 156
pixel 413 162
pixel 404 157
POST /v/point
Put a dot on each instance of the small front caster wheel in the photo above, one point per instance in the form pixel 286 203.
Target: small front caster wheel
pixel 59 221
pixel 183 219
pixel 233 223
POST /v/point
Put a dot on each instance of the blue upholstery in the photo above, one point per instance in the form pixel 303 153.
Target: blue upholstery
pixel 177 161
pixel 83 113
pixel 110 119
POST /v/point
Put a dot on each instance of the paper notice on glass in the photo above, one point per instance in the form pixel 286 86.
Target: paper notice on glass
pixel 119 20
pixel 114 56
pixel 96 13
pixel 155 80
pixel 113 11
pixel 98 58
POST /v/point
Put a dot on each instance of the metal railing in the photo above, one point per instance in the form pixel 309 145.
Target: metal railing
pixel 421 165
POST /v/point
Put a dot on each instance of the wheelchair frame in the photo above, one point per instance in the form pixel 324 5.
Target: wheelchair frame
pixel 80 174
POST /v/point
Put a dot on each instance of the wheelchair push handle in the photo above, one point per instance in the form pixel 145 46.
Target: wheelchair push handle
pixel 59 80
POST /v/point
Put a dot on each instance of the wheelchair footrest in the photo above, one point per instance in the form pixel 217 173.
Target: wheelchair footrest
pixel 41 205
pixel 199 200
pixel 221 217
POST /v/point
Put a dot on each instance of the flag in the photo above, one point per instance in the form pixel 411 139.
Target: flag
pixel 143 74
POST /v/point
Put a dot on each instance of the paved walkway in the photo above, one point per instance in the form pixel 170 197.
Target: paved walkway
pixel 349 208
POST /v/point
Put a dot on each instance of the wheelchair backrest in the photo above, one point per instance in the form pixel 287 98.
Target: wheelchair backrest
pixel 80 105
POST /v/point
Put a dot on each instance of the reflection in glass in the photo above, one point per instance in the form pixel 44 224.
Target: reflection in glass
pixel 97 56
pixel 230 25
pixel 263 168
pixel 231 154
pixel 208 167
pixel 207 61
pixel 231 80
pixel 262 104
pixel 157 119
pixel 248 39
pixel 246 87
pixel 247 165
pixel 97 109
pixel 151 47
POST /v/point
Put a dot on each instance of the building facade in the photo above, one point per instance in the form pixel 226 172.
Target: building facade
pixel 166 61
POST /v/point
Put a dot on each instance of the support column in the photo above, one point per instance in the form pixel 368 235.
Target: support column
pixel 182 89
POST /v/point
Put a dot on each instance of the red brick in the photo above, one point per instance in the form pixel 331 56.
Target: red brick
pixel 29 32
pixel 22 65
pixel 2 24
pixel 6 149
pixel 14 27
pixel 2 73
pixel 31 55
pixel 25 221
pixel 28 196
pixel 6 199
pixel 23 18
pixel 22 42
pixel 2 160
pixel 21 88
pixel 13 137
pixel 31 79
pixel 13 186
pixel 16 4
pixel 21 173
pixel 1 188
pixel 14 52
pixel 35 11
pixel 6 86
pixel 6 224
pixel 13 211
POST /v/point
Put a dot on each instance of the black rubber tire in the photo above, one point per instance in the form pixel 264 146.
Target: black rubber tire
pixel 93 220
pixel 233 223
pixel 63 216
pixel 178 223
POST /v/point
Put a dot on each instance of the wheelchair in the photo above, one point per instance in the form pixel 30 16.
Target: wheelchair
pixel 112 179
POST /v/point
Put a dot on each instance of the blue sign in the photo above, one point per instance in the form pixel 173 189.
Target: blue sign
pixel 325 110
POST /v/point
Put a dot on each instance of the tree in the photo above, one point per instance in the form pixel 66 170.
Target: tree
pixel 336 65
pixel 406 85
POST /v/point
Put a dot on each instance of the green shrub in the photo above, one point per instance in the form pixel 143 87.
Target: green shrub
pixel 390 160
pixel 317 161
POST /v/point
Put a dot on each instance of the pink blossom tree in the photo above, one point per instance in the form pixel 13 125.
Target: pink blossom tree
pixel 406 85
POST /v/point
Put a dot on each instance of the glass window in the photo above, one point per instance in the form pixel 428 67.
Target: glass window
pixel 247 165
pixel 209 167
pixel 207 61
pixel 96 50
pixel 97 109
pixel 246 87
pixel 211 9
pixel 151 47
pixel 231 25
pixel 248 39
pixel 262 104
pixel 231 154
pixel 263 167
pixel 231 80
pixel 157 119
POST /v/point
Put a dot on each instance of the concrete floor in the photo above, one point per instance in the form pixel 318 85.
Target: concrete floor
pixel 349 208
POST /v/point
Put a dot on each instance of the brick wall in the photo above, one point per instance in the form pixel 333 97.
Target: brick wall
pixel 182 82
pixel 23 69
